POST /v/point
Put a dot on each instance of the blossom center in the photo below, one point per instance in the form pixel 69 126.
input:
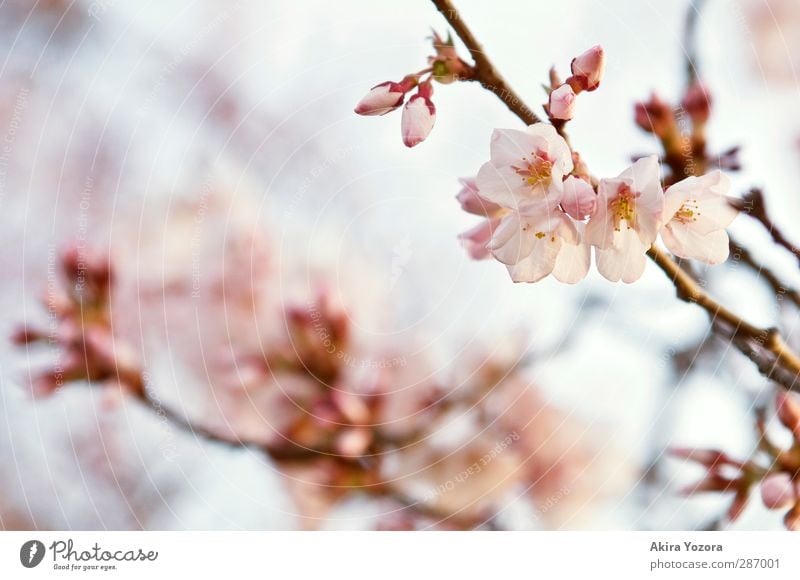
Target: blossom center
pixel 536 170
pixel 623 207
pixel 688 212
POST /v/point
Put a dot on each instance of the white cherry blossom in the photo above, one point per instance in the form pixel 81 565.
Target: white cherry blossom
pixel 696 213
pixel 626 221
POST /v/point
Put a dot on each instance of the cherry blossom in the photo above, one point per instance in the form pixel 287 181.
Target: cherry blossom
pixel 534 247
pixel 526 169
pixel 626 221
pixel 696 213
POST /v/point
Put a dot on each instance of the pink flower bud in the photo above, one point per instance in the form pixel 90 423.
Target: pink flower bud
pixel 777 491
pixel 697 103
pixel 475 240
pixel 655 116
pixel 25 335
pixel 562 103
pixel 588 68
pixel 471 201
pixel 579 199
pixel 353 442
pixel 788 412
pixel 381 99
pixel 419 115
pixel 351 406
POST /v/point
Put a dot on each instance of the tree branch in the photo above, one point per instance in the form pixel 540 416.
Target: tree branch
pixel 782 365
pixel 743 255
pixel 484 71
pixel 753 204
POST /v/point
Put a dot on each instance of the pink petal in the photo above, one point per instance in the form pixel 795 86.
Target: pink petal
pixel 562 103
pixel 777 491
pixel 590 67
pixel 381 99
pixel 472 202
pixel 475 239
pixel 579 200
pixel 419 115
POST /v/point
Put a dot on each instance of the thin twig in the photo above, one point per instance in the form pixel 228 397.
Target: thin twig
pixel 751 340
pixel 743 255
pixel 753 204
pixel 484 71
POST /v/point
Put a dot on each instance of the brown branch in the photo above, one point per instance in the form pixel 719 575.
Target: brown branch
pixel 741 254
pixel 753 204
pixel 288 452
pixel 782 365
pixel 484 71
pixel 764 347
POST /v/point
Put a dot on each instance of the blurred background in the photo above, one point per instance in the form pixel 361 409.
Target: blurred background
pixel 210 152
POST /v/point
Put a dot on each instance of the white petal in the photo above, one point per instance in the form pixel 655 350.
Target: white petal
pixel 509 146
pixel 625 260
pixel 512 241
pixel 647 226
pixel 675 196
pixel 540 262
pixel 572 263
pixel 502 186
pixel 685 241
pixel 714 213
pixel 557 147
pixel 646 180
pixel 600 229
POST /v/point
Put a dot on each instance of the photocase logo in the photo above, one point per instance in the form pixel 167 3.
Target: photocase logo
pixel 31 553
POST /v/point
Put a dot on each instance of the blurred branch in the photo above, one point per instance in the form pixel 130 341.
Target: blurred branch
pixel 753 204
pixel 690 39
pixel 484 71
pixel 744 256
pixel 764 346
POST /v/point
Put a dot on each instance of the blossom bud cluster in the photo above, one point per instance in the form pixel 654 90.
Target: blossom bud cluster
pixel 419 112
pixel 543 216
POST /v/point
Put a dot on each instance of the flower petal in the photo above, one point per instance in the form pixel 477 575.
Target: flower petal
pixel 572 263
pixel 419 115
pixel 512 241
pixel 685 241
pixel 540 262
pixel 624 260
pixel 509 146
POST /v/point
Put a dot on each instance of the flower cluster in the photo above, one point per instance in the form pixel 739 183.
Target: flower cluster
pixel 419 113
pixel 775 470
pixel 543 213
pixel 587 72
pixel 336 421
pixel 82 329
